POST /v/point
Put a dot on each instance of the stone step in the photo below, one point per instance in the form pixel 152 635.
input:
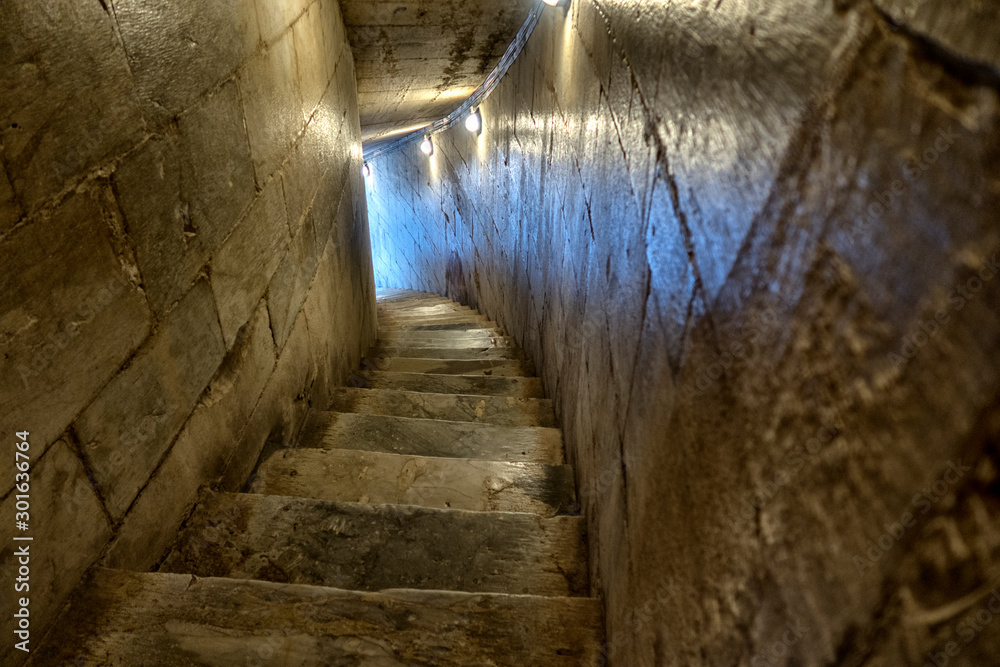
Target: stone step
pixel 431 437
pixel 133 618
pixel 423 326
pixel 442 339
pixel 500 342
pixel 468 334
pixel 519 387
pixel 440 318
pixel 417 301
pixel 345 475
pixel 394 292
pixel 477 367
pixel 412 310
pixel 426 309
pixel 447 352
pixel 500 410
pixel 400 293
pixel 406 294
pixel 367 547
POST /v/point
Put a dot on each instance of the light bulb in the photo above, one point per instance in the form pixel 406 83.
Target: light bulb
pixel 473 123
pixel 366 171
pixel 426 147
pixel 551 3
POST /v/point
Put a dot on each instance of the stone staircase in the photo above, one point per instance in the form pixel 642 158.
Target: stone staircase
pixel 424 520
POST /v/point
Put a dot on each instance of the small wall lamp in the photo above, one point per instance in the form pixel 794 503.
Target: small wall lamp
pixel 474 122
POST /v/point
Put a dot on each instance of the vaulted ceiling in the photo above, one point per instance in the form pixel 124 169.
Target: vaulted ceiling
pixel 417 60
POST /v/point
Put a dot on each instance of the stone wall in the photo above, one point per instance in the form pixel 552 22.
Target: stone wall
pixel 185 261
pixel 753 250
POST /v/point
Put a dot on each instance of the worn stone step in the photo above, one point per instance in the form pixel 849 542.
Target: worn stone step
pixel 447 352
pixel 359 546
pixel 400 292
pixel 394 292
pixel 425 309
pixel 427 314
pixel 442 341
pixel 403 317
pixel 132 618
pixel 403 301
pixel 431 437
pixel 346 475
pixel 413 311
pixel 487 367
pixel 500 410
pixel 416 301
pixel 423 326
pixel 402 295
pixel 468 334
pixel 520 387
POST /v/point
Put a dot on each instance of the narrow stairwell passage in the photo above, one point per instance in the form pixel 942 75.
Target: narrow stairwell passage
pixel 423 520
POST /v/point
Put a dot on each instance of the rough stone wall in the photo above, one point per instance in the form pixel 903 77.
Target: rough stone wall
pixel 753 250
pixel 185 261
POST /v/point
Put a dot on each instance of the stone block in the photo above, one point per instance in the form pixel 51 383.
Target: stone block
pixel 219 176
pixel 244 265
pixel 272 105
pixel 179 50
pixel 329 204
pixel 127 429
pixel 69 318
pixel 291 282
pixel 968 30
pixel 201 451
pixel 68 103
pixel 335 324
pixel 281 410
pixel 334 33
pixel 302 175
pixel 314 67
pixel 69 528
pixel 181 194
pixel 276 17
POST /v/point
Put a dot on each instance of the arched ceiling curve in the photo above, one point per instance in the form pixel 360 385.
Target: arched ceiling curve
pixel 417 60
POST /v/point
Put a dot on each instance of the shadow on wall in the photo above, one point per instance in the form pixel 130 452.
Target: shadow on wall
pixel 455 279
pixel 753 252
